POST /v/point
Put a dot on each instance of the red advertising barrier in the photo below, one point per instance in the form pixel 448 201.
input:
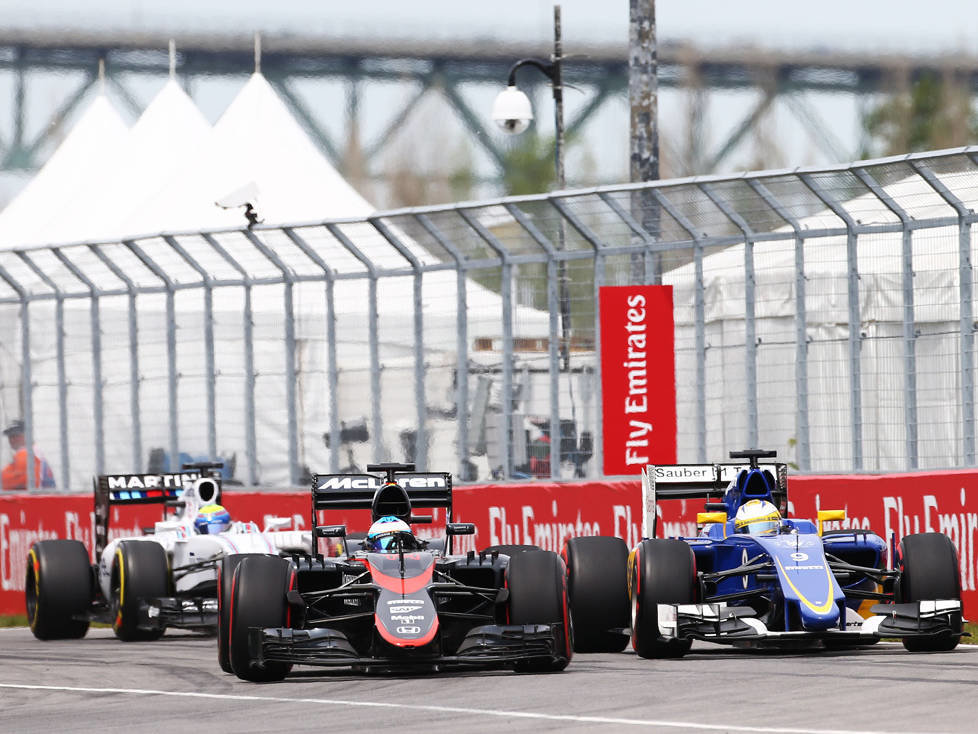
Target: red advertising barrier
pixel 544 514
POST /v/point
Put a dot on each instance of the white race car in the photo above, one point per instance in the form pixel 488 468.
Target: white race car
pixel 141 585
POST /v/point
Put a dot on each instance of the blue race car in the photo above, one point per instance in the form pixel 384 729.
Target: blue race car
pixel 754 578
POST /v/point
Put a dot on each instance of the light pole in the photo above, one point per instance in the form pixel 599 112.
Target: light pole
pixel 512 112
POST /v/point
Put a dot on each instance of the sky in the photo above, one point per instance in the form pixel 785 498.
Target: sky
pixel 899 26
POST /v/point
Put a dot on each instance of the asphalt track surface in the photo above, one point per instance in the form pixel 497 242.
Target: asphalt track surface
pixel 175 685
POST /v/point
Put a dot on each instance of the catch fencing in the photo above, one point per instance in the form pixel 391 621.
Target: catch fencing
pixel 826 313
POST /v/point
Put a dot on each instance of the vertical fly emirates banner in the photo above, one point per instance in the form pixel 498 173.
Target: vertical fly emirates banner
pixel 638 377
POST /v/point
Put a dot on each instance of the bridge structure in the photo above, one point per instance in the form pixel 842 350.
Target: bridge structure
pixel 346 67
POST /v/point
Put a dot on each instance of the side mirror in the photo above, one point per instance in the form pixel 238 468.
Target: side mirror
pixel 330 531
pixel 277 523
pixel 460 528
pixel 702 518
pixel 827 515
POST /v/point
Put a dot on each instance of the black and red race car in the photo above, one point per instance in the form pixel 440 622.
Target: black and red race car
pixel 414 606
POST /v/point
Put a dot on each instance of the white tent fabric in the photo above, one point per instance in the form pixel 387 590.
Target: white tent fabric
pixel 94 138
pixel 256 143
pixel 162 143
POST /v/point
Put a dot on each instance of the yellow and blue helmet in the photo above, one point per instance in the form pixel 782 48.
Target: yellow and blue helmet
pixel 212 519
pixel 757 517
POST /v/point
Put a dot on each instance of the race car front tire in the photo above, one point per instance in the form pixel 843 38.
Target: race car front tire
pixel 258 599
pixel 663 572
pixel 597 592
pixel 140 571
pixel 225 575
pixel 58 589
pixel 930 570
pixel 536 580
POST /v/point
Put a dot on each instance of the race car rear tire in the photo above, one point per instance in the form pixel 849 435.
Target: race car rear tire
pixel 258 599
pixel 597 592
pixel 225 576
pixel 140 571
pixel 663 572
pixel 930 570
pixel 536 580
pixel 58 589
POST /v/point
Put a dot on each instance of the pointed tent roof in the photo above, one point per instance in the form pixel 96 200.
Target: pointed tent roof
pixel 94 137
pixel 256 146
pixel 161 143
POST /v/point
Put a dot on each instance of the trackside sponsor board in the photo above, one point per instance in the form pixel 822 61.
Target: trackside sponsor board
pixel 638 377
pixel 541 513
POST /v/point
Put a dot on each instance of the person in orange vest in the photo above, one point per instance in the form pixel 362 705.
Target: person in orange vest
pixel 14 475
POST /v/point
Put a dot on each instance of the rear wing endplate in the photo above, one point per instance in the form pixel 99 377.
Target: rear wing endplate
pixel 698 481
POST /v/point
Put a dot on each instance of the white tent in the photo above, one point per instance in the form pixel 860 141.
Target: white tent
pixel 881 312
pixel 255 147
pixel 162 143
pixel 94 138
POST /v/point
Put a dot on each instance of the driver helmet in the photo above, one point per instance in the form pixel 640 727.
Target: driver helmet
pixel 382 533
pixel 212 519
pixel 757 517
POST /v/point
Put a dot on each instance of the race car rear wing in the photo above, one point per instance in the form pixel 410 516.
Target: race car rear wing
pixel 399 492
pixel 148 489
pixel 705 481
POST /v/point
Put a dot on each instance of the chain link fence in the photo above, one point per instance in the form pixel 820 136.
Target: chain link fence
pixel 826 313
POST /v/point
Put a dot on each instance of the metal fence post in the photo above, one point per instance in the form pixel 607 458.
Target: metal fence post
pixel 553 347
pixel 380 453
pixel 248 324
pixel 26 388
pixel 134 377
pixel 803 456
pixel 97 384
pixel 209 368
pixel 171 349
pixel 750 323
pixel 59 325
pixel 332 371
pixel 966 315
pixel 420 400
pixel 855 320
pixel 909 327
pixel 289 318
pixel 461 343
pixel 699 309
pixel 506 295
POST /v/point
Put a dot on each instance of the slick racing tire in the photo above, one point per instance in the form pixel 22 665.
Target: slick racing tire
pixel 140 571
pixel 225 575
pixel 597 592
pixel 930 570
pixel 663 572
pixel 537 585
pixel 258 599
pixel 58 589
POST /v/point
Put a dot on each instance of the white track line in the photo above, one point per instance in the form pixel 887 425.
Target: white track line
pixel 648 723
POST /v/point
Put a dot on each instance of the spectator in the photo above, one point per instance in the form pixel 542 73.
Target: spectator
pixel 14 474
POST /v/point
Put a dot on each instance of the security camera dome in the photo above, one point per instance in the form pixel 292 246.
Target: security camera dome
pixel 512 111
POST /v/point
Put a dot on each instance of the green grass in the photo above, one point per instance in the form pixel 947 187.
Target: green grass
pixel 971 627
pixel 13 620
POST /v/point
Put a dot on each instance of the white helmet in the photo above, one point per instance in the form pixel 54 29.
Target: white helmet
pixel 757 517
